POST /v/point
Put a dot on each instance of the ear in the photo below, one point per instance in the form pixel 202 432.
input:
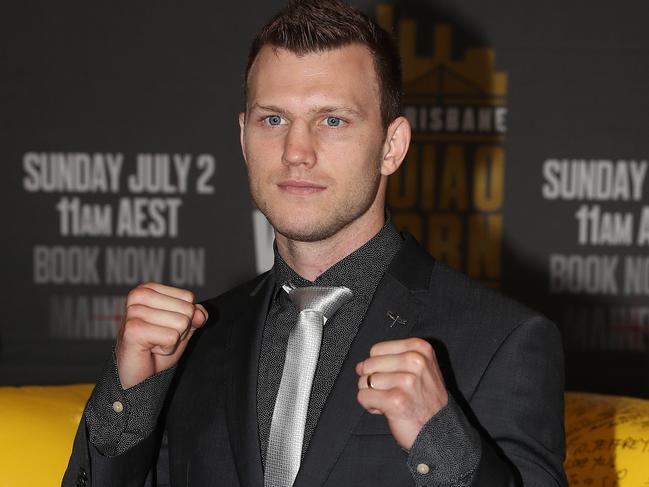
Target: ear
pixel 242 126
pixel 395 146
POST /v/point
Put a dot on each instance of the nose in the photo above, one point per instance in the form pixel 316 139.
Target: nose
pixel 299 145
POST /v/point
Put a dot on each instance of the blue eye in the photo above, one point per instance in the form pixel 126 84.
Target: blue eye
pixel 333 121
pixel 274 120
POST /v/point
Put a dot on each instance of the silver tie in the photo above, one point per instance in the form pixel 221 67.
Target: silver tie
pixel 315 305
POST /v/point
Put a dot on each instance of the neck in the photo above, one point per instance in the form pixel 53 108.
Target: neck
pixel 310 259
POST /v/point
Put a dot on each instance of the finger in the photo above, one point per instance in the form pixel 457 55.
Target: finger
pixel 200 316
pixel 161 340
pixel 153 299
pixel 412 362
pixel 393 347
pixel 174 292
pixel 385 381
pixel 160 317
pixel 375 401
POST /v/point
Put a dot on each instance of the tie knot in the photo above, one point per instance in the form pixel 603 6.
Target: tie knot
pixel 324 299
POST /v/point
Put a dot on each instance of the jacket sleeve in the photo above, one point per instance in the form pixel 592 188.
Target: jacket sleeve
pixel 87 467
pixel 519 409
pixel 117 445
pixel 118 419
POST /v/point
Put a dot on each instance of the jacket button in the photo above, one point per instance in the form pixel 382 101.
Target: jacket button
pixel 423 469
pixel 118 407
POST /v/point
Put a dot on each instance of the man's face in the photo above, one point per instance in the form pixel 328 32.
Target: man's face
pixel 313 140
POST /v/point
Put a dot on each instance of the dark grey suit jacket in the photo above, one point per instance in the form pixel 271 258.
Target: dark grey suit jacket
pixel 502 363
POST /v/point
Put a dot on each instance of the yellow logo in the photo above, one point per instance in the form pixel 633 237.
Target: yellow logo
pixel 449 191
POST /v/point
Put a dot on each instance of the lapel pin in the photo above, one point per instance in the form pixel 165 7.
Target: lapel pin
pixel 396 319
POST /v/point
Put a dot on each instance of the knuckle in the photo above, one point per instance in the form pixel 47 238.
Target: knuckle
pixel 422 346
pixel 172 337
pixel 132 296
pixel 397 399
pixel 408 380
pixel 187 309
pixel 181 323
pixel 137 295
pixel 132 329
pixel 415 360
pixel 134 310
pixel 185 321
pixel 367 366
pixel 133 323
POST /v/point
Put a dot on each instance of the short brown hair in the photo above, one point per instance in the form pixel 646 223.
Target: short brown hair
pixel 311 26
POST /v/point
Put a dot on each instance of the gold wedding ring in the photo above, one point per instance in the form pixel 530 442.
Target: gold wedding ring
pixel 369 382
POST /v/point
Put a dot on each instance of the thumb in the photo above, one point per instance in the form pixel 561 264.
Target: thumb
pixel 199 317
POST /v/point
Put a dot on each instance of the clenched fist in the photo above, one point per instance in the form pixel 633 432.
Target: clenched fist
pixel 157 326
pixel 402 380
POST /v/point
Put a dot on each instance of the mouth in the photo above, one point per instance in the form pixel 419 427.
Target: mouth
pixel 300 188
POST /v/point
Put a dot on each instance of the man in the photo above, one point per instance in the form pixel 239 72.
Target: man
pixel 410 374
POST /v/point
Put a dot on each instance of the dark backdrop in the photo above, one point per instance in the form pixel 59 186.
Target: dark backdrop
pixel 528 168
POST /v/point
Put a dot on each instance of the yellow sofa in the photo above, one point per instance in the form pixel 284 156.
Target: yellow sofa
pixel 37 426
pixel 607 436
pixel 607 441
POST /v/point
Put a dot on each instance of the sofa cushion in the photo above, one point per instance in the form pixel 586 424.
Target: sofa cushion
pixel 607 436
pixel 607 440
pixel 37 426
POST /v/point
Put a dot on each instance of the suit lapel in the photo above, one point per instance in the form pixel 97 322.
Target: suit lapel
pixel 395 296
pixel 244 348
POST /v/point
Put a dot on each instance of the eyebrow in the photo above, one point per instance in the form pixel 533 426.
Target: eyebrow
pixel 315 111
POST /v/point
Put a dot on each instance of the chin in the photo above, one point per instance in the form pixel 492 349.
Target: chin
pixel 307 226
pixel 305 223
pixel 307 232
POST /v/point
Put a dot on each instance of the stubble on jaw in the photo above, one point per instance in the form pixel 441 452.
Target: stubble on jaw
pixel 326 227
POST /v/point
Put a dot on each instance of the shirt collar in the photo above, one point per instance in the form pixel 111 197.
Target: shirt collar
pixel 360 271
